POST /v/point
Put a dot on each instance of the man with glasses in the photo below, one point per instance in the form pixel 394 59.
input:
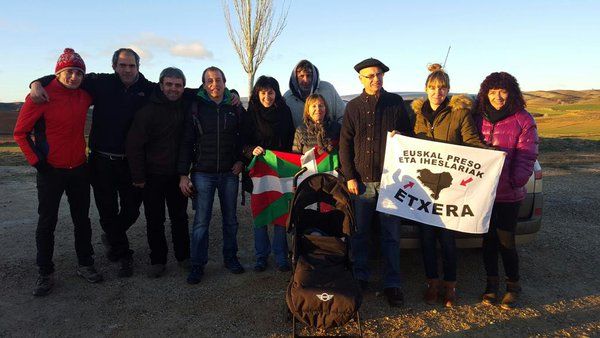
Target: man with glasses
pixel 368 118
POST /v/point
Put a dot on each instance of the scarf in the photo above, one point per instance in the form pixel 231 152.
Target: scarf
pixel 494 115
pixel 429 113
pixel 318 133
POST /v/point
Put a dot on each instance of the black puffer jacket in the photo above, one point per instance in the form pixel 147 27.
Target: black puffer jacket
pixel 211 138
pixel 154 137
pixel 367 120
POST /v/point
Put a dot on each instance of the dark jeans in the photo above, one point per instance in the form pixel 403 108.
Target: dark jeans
pixel 501 238
pixel 226 185
pixel 158 190
pixel 262 245
pixel 117 200
pixel 364 209
pixel 429 237
pixel 51 185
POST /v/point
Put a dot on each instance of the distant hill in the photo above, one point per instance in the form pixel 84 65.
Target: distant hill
pixel 8 117
pixel 535 100
pixel 554 97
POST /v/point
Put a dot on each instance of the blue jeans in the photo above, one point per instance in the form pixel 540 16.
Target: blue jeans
pixel 429 236
pixel 364 208
pixel 205 184
pixel 262 245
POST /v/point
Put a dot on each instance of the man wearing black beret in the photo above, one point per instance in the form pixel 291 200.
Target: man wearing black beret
pixel 368 118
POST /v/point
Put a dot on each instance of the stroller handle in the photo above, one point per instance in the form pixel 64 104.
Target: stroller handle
pixel 298 174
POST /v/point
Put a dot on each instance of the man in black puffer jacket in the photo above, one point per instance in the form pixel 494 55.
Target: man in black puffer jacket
pixel 212 145
pixel 152 151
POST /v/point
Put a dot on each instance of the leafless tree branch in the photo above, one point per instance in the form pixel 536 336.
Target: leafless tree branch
pixel 253 31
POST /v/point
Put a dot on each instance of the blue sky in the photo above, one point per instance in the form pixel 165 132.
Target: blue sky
pixel 545 44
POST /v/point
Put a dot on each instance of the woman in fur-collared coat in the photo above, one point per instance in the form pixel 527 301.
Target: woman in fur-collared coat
pixel 442 119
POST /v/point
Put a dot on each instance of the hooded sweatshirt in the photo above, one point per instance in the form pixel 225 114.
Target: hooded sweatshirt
pixel 294 99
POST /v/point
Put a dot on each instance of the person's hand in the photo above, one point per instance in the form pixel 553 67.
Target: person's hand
pixel 237 167
pixel 235 99
pixel 42 166
pixel 353 186
pixel 38 94
pixel 140 185
pixel 186 186
pixel 258 151
pixel 394 133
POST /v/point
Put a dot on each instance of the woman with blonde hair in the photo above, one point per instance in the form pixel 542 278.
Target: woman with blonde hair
pixel 318 129
pixel 442 119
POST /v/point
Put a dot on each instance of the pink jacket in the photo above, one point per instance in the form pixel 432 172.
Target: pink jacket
pixel 517 136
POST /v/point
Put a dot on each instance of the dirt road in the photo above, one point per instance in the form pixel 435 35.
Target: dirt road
pixel 560 274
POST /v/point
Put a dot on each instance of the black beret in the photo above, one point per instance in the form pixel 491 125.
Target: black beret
pixel 370 62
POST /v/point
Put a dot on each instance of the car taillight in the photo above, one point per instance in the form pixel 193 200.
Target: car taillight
pixel 538 174
pixel 537 211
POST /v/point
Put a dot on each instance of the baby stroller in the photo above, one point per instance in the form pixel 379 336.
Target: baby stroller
pixel 322 292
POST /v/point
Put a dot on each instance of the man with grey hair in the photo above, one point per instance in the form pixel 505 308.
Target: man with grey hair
pixel 152 148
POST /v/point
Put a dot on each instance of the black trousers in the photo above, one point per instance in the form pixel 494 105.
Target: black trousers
pixel 430 235
pixel 500 238
pixel 51 185
pixel 158 190
pixel 117 200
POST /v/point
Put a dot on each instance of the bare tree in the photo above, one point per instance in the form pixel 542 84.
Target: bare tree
pixel 255 34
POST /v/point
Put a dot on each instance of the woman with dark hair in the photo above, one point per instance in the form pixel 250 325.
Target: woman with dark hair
pixel 442 119
pixel 318 129
pixel 268 125
pixel 505 125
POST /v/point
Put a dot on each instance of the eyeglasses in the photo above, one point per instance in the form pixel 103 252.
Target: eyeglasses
pixel 372 76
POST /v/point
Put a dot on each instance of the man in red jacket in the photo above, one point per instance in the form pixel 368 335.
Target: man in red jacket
pixel 57 151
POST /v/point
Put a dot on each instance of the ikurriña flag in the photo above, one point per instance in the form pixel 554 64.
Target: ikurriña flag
pixel 272 177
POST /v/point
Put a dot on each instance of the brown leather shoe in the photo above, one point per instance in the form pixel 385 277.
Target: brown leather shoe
pixel 431 294
pixel 511 297
pixel 450 295
pixel 490 295
pixel 394 296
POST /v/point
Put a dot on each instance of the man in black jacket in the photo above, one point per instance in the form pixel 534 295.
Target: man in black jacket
pixel 367 120
pixel 152 150
pixel 212 145
pixel 116 98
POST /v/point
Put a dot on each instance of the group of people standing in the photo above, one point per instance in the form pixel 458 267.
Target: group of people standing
pixel 162 143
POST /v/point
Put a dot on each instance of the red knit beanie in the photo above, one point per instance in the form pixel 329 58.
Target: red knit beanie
pixel 69 59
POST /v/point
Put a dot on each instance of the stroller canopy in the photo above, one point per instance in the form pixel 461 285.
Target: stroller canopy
pixel 322 188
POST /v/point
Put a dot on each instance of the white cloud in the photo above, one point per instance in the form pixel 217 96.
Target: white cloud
pixel 153 40
pixel 193 50
pixel 150 43
pixel 144 53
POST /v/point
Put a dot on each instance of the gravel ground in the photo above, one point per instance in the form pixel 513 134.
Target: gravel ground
pixel 560 275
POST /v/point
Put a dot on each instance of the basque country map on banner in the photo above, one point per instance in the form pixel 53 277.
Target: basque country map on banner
pixel 440 184
pixel 272 181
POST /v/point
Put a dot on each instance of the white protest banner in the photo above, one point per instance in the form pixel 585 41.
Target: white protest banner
pixel 440 184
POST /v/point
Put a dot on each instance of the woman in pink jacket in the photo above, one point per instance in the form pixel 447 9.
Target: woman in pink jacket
pixel 505 125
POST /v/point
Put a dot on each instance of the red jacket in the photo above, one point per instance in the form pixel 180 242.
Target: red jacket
pixel 517 136
pixel 57 126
